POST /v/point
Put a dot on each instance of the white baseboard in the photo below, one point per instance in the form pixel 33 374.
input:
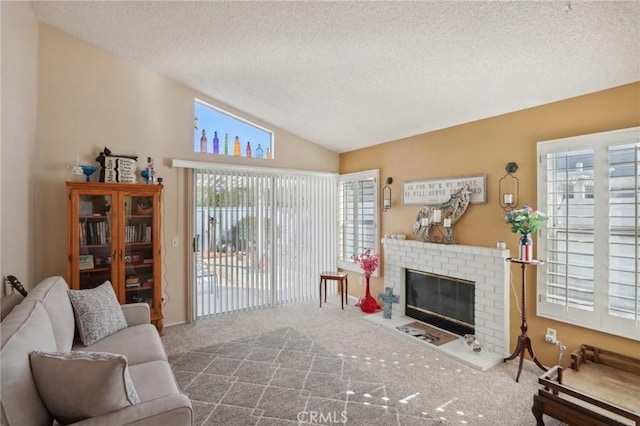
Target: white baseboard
pixel 171 324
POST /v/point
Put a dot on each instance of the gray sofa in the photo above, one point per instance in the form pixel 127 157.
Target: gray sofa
pixel 44 321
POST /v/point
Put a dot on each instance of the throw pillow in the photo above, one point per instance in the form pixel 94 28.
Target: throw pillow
pixel 98 313
pixel 78 385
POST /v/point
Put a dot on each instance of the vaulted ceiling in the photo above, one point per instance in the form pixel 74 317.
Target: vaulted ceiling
pixel 347 75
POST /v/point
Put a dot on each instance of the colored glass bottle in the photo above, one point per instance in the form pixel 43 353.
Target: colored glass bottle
pixel 259 152
pixel 236 147
pixel 215 142
pixel 226 144
pixel 268 153
pixel 203 142
pixel 248 150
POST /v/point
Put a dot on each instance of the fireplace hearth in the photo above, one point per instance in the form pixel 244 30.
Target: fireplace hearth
pixel 486 267
pixel 446 302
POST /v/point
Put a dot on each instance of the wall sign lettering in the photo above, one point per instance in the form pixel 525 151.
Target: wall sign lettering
pixel 436 191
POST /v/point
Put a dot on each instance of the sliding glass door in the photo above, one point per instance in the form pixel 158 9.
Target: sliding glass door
pixel 260 238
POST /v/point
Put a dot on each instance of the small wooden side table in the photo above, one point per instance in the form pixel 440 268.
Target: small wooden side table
pixel 343 285
pixel 524 342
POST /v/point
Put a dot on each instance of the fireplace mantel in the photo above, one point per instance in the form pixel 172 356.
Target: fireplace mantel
pixel 486 266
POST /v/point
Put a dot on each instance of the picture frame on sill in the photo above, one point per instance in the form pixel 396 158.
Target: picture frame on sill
pixel 85 261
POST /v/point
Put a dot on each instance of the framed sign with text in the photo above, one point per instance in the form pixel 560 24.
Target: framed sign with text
pixel 437 191
pixel 120 169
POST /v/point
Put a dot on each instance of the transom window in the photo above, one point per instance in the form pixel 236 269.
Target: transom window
pixel 219 132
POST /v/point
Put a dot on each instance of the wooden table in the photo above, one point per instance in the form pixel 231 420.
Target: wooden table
pixel 343 285
pixel 524 342
pixel 601 388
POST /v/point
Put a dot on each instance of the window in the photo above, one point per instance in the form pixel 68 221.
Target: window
pixel 590 188
pixel 358 217
pixel 219 132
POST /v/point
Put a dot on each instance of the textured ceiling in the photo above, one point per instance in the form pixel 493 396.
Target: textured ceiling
pixel 347 75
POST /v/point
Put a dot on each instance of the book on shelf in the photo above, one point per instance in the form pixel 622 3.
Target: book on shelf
pixel 94 233
pixel 140 233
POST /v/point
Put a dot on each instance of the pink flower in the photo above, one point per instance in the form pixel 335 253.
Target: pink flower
pixel 368 261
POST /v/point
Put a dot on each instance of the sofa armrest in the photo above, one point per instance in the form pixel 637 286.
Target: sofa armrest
pixel 136 313
pixel 169 410
pixel 9 302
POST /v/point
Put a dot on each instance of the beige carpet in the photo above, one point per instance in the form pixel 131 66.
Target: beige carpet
pixel 284 377
pixel 422 385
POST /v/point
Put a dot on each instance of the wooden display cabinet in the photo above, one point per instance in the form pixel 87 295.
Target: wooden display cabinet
pixel 114 234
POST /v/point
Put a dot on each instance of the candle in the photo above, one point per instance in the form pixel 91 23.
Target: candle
pixel 447 222
pixel 508 198
pixel 436 216
pixel 425 221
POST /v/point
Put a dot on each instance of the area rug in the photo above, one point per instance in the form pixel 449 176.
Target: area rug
pixel 427 333
pixel 283 377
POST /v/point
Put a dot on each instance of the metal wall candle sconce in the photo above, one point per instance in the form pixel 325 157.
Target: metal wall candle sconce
pixel 386 195
pixel 509 188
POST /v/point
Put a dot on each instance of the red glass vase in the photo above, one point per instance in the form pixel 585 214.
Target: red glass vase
pixel 368 304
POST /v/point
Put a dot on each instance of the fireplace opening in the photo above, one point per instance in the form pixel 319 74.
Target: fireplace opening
pixel 446 302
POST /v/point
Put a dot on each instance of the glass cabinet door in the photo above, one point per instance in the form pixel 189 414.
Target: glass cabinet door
pixel 139 248
pixel 96 250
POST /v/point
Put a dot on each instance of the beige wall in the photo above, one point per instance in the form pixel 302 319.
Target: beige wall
pixel 89 99
pixel 485 147
pixel 17 150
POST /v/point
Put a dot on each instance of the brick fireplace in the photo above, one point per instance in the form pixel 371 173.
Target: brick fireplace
pixel 483 265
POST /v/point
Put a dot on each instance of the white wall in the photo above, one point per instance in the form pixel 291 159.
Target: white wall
pixel 19 93
pixel 89 99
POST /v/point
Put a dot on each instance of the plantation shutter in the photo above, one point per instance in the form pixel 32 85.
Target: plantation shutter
pixel 624 231
pixel 358 216
pixel 569 264
pixel 590 188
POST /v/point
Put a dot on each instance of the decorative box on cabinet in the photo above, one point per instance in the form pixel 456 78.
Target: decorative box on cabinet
pixel 114 234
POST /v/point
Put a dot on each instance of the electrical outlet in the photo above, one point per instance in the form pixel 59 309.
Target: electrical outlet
pixel 551 336
pixel 360 280
pixel 174 242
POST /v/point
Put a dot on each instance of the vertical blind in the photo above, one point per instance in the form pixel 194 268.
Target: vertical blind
pixel 590 188
pixel 262 237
